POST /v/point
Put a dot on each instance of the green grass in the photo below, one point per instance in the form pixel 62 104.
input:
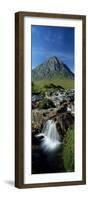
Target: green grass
pixel 68 151
pixel 65 83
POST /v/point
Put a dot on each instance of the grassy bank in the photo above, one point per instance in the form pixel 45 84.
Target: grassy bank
pixel 40 85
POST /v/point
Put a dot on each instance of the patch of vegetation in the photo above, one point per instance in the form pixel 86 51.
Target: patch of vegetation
pixel 68 150
pixel 35 89
pixel 46 103
pixel 51 85
pixel 43 85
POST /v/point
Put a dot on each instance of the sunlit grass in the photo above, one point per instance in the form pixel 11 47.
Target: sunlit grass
pixel 65 83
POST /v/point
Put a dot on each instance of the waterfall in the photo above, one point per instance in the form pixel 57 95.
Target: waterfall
pixel 50 131
pixel 50 137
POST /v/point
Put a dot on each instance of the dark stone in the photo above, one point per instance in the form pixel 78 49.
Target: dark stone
pixel 64 121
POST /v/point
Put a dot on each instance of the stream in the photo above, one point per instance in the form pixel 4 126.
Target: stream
pixel 47 150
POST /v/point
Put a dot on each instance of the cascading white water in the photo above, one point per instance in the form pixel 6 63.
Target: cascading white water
pixel 50 131
pixel 50 137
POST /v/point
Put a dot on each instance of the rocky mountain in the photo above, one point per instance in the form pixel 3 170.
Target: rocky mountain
pixel 52 68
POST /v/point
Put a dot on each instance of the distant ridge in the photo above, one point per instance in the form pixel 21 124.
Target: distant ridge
pixel 52 68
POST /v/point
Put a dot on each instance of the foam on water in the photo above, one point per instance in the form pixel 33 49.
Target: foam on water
pixel 50 138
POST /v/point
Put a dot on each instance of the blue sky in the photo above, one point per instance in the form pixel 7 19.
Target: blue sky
pixel 48 41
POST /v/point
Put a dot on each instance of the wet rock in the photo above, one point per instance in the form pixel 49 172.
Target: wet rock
pixel 46 103
pixel 63 122
pixel 63 108
pixel 36 127
pixel 37 98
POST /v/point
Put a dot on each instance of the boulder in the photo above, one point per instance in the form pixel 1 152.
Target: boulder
pixel 46 104
pixel 63 122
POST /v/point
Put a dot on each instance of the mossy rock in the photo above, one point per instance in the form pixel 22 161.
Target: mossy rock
pixel 46 103
pixel 51 85
pixel 68 150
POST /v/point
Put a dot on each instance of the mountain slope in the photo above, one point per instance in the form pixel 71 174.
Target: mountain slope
pixel 50 69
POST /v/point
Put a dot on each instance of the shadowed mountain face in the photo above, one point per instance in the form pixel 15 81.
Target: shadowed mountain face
pixel 52 68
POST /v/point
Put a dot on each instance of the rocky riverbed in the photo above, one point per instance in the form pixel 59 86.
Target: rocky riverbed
pixel 58 106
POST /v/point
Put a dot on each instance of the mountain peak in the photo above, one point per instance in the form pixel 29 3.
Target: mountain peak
pixel 55 59
pixel 51 68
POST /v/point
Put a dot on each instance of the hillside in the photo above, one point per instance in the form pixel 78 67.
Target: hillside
pixel 50 69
